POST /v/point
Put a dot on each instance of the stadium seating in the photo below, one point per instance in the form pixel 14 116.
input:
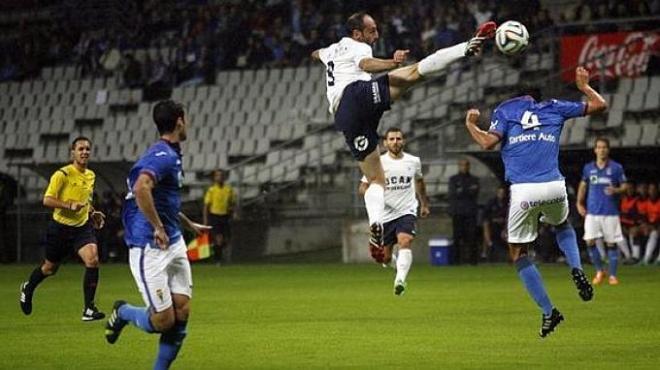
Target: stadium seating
pixel 273 120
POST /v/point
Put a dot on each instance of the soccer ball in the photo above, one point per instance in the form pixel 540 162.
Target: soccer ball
pixel 511 37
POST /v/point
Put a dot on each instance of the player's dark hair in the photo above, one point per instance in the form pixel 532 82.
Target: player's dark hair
pixel 531 90
pixel 602 139
pixel 165 114
pixel 393 129
pixel 355 22
pixel 80 138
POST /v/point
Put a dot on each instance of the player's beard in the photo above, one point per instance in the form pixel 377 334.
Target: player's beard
pixel 395 149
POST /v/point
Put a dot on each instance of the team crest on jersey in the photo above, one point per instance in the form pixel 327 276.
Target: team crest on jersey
pixel 524 205
pixel 593 179
pixel 361 143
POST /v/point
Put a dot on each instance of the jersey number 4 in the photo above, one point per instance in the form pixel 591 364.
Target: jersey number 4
pixel 331 76
pixel 529 120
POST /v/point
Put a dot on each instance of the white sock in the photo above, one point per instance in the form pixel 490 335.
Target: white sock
pixel 650 246
pixel 623 247
pixel 403 262
pixel 441 59
pixel 601 248
pixel 374 199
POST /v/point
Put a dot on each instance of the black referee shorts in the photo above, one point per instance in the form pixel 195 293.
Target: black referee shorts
pixel 60 240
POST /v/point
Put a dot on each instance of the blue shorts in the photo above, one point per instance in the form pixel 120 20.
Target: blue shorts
pixel 360 109
pixel 403 224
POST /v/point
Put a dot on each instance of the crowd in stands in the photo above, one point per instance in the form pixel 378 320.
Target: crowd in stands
pixel 202 37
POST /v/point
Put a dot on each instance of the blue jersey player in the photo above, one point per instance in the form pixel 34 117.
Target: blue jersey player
pixel 529 131
pixel 603 180
pixel 157 256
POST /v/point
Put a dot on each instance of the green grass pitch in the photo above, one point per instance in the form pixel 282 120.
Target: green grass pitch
pixel 321 316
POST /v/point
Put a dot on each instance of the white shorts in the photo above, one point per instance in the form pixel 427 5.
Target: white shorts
pixel 600 226
pixel 161 273
pixel 546 200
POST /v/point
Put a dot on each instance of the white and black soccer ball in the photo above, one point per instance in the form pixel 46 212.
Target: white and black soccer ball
pixel 511 37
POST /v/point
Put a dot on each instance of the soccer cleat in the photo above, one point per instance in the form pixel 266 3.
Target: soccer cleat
pixel 399 288
pixel 484 32
pixel 378 254
pixel 549 323
pixel 585 290
pixel 92 313
pixel 26 299
pixel 600 275
pixel 613 280
pixel 376 235
pixel 115 324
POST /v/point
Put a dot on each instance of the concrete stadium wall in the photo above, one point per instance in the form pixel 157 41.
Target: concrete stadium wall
pixel 355 238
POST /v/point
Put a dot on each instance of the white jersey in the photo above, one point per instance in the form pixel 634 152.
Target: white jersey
pixel 400 176
pixel 342 60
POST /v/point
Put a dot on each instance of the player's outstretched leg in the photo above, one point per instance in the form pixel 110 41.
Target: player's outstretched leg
pixel 115 323
pixel 374 200
pixel 401 79
pixel 550 322
pixel 567 241
pixel 28 287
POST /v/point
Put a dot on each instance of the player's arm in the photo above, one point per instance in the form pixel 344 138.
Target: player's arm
pixel 54 188
pixel 617 189
pixel 487 140
pixel 420 190
pixel 145 202
pixel 375 65
pixel 362 188
pixel 581 196
pixel 52 202
pixel 316 55
pixel 595 102
pixel 191 225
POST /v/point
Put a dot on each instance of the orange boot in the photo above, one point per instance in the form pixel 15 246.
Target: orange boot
pixel 600 275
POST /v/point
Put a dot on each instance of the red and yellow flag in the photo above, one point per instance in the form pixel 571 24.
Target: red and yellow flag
pixel 200 248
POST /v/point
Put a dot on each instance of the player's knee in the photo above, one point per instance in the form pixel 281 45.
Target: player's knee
pixel 92 262
pixel 49 268
pixel 163 321
pixel 518 251
pixel 405 241
pixel 523 262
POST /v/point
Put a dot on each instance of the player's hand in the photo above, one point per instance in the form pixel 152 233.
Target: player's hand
pixel 610 190
pixel 400 56
pixel 161 238
pixel 472 116
pixel 581 77
pixel 581 210
pixel 76 206
pixel 200 229
pixel 424 211
pixel 98 220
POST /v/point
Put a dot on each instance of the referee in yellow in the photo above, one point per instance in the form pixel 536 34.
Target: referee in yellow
pixel 218 207
pixel 70 193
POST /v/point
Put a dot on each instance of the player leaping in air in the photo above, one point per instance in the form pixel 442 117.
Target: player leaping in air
pixel 358 101
pixel 529 131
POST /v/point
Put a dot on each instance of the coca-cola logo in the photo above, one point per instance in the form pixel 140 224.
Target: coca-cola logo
pixel 611 57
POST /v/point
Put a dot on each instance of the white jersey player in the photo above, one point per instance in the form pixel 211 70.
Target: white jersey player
pixel 404 185
pixel 358 101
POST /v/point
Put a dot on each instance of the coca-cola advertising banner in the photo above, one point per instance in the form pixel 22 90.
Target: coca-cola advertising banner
pixel 618 54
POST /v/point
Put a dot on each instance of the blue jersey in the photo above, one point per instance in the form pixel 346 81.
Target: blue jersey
pixel 529 133
pixel 598 179
pixel 162 161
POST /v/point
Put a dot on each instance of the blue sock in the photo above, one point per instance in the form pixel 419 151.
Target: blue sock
pixel 567 241
pixel 531 278
pixel 613 255
pixel 138 316
pixel 170 344
pixel 594 254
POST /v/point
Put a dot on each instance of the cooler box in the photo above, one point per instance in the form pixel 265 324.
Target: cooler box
pixel 439 247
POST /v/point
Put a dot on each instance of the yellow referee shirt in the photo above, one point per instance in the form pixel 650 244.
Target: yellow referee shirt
pixel 68 184
pixel 219 199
